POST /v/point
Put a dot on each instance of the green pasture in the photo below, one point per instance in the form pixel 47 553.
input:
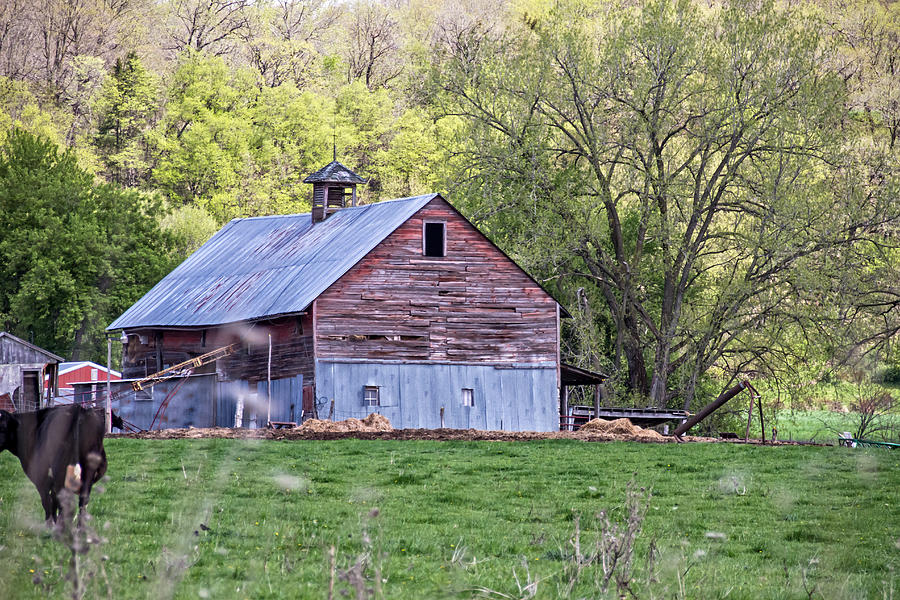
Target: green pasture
pixel 257 519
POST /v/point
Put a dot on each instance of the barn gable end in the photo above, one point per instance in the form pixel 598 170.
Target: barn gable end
pixel 466 339
pixel 472 305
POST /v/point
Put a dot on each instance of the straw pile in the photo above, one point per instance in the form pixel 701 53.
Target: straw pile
pixel 622 427
pixel 374 422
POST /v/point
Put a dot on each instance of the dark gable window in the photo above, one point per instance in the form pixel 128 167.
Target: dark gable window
pixel 434 239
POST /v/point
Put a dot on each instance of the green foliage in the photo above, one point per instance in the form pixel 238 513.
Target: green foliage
pixel 188 227
pixel 456 517
pixel 708 187
pixel 20 109
pixel 127 105
pixel 74 253
pixel 674 167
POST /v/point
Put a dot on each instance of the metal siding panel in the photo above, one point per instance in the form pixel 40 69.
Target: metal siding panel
pixel 480 414
pixel 519 399
pixel 229 394
pixel 441 383
pixel 454 417
pixel 190 406
pixel 226 403
pixel 492 394
pixel 428 399
pixel 525 404
pixel 546 401
pixel 411 397
pixel 510 382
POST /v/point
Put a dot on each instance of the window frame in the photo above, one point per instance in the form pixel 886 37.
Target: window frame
pixel 367 402
pixel 468 400
pixel 443 225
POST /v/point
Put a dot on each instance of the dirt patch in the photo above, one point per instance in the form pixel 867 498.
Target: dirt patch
pixel 377 427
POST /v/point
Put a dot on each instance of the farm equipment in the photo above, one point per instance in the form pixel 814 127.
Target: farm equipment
pixel 182 369
pixel 852 442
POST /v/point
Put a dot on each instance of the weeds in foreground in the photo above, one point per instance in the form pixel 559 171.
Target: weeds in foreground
pixel 363 576
pixel 611 548
pixel 83 569
pixel 606 551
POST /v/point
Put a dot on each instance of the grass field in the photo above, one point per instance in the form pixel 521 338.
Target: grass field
pixel 467 519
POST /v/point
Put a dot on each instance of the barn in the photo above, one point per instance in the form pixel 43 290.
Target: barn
pixel 90 375
pixel 23 368
pixel 402 307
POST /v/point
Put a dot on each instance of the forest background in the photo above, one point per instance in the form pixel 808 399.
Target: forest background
pixel 711 189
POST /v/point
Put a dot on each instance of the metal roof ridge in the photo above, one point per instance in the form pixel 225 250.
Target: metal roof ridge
pixel 359 206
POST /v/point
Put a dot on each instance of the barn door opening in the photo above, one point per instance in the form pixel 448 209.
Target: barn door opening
pixel 31 391
pixel 309 404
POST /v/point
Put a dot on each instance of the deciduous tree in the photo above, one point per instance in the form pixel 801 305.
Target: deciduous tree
pixel 676 163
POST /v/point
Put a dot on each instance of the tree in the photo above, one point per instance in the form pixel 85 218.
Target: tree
pixel 674 163
pixel 127 106
pixel 211 26
pixel 372 47
pixel 284 36
pixel 74 253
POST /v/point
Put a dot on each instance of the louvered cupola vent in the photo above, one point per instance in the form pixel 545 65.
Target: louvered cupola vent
pixel 334 187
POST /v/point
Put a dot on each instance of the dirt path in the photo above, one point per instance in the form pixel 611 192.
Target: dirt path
pixel 376 427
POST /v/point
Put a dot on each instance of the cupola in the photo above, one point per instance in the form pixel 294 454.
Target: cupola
pixel 334 187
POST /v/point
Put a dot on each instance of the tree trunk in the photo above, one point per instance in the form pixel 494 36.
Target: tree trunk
pixel 637 368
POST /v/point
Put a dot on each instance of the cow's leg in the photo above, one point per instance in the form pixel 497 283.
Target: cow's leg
pixel 51 507
pixel 94 468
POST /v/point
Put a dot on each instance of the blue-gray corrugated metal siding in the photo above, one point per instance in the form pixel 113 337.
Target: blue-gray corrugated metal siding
pixel 201 401
pixel 511 399
pixel 266 266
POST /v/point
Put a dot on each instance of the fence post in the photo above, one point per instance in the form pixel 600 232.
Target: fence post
pixel 108 385
pixel 442 417
pixel 269 385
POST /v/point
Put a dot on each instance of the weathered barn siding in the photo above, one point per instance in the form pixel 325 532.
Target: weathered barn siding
pixel 520 399
pixel 423 328
pixel 149 351
pixel 472 305
pixel 23 367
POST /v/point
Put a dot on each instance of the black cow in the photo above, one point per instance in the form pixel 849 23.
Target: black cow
pixel 58 447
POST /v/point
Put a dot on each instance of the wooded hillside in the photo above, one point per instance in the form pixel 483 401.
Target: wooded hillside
pixel 710 188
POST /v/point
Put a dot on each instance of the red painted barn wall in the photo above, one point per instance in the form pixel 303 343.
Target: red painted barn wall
pixel 472 305
pixel 84 374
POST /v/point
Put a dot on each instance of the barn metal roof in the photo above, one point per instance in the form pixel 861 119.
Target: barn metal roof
pixel 334 172
pixel 266 266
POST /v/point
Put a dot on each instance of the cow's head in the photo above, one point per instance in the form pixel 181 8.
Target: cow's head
pixel 9 427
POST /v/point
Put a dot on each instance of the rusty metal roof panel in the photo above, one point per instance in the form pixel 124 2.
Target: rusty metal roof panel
pixel 266 266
